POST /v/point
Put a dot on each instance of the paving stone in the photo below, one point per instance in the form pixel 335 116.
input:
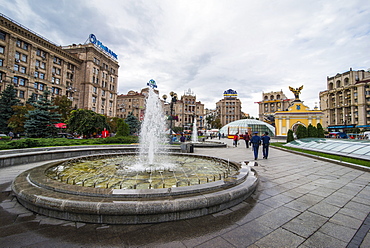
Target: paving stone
pixel 358 207
pixel 338 199
pixel 324 209
pixel 319 239
pixel 277 217
pixel 338 231
pixel 280 238
pixel 216 242
pixel 361 200
pixel 310 199
pixel 344 220
pixel 305 224
pixel 353 213
pixel 292 203
pixel 298 205
pixel 247 234
pixel 366 241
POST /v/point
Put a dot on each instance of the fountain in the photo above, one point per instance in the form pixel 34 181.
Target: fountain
pixel 194 135
pixel 149 186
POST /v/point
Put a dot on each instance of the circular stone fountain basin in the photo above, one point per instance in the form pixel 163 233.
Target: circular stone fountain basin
pixel 37 191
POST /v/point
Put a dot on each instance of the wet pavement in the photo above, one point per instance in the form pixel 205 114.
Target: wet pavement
pixel 300 202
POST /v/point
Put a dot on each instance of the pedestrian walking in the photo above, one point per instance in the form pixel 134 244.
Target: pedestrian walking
pixel 265 145
pixel 11 135
pixel 247 139
pixel 256 142
pixel 236 138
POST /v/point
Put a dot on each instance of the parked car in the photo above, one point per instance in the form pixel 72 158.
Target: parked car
pixel 65 135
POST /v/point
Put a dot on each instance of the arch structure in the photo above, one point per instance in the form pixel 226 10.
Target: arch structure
pixel 297 114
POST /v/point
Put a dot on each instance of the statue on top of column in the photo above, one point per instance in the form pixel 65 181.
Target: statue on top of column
pixel 296 92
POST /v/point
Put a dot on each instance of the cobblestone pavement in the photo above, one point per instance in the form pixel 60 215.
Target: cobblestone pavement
pixel 300 202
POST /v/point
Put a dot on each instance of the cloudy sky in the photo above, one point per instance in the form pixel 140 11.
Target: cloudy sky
pixel 210 46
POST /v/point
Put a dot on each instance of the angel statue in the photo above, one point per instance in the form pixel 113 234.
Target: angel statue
pixel 296 91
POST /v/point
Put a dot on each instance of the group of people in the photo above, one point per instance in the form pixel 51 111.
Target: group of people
pixel 255 141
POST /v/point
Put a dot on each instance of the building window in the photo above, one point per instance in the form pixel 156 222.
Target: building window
pixel 57 60
pixel 25 46
pixel 2 36
pixel 16 67
pixel 103 93
pixel 22 81
pixel 42 65
pixel 95 90
pixel 2 49
pixel 41 53
pixel 55 90
pixel 18 43
pixel 36 85
pixel 24 58
pixel 93 109
pixel 23 69
pixel 102 111
pixel 21 94
pixel 94 99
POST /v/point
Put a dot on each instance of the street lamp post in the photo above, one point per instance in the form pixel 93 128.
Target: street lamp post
pixel 173 96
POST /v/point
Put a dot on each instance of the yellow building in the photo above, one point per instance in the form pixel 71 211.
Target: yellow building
pixel 297 114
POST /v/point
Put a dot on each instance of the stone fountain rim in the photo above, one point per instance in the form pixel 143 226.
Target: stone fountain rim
pixel 37 177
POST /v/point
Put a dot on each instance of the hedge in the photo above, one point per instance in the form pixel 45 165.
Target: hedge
pixel 45 142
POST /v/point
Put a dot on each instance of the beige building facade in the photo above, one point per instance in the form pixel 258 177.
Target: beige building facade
pixel 186 110
pixel 272 102
pixel 346 101
pixel 228 109
pixel 132 102
pixel 32 63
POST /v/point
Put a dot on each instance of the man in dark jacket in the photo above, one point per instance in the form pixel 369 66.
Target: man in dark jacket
pixel 265 144
pixel 256 142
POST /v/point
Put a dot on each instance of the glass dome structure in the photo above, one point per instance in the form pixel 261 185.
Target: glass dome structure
pixel 243 125
pixel 350 148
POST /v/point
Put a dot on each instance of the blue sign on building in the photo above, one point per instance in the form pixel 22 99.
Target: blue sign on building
pixel 99 44
pixel 230 93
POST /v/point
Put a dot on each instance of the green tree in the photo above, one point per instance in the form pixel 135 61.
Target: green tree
pixel 301 132
pixel 133 123
pixel 177 129
pixel 41 121
pixel 86 122
pixel 8 98
pixel 209 120
pixel 216 123
pixel 290 136
pixel 113 123
pixel 64 107
pixel 17 121
pixel 311 131
pixel 320 131
pixel 123 129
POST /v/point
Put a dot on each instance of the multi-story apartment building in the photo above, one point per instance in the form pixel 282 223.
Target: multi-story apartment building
pixel 97 80
pixel 272 102
pixel 86 74
pixel 187 109
pixel 346 102
pixel 133 102
pixel 228 109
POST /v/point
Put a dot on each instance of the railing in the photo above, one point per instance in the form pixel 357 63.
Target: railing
pixel 15 22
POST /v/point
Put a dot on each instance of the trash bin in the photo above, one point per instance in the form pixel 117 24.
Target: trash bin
pixel 191 148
